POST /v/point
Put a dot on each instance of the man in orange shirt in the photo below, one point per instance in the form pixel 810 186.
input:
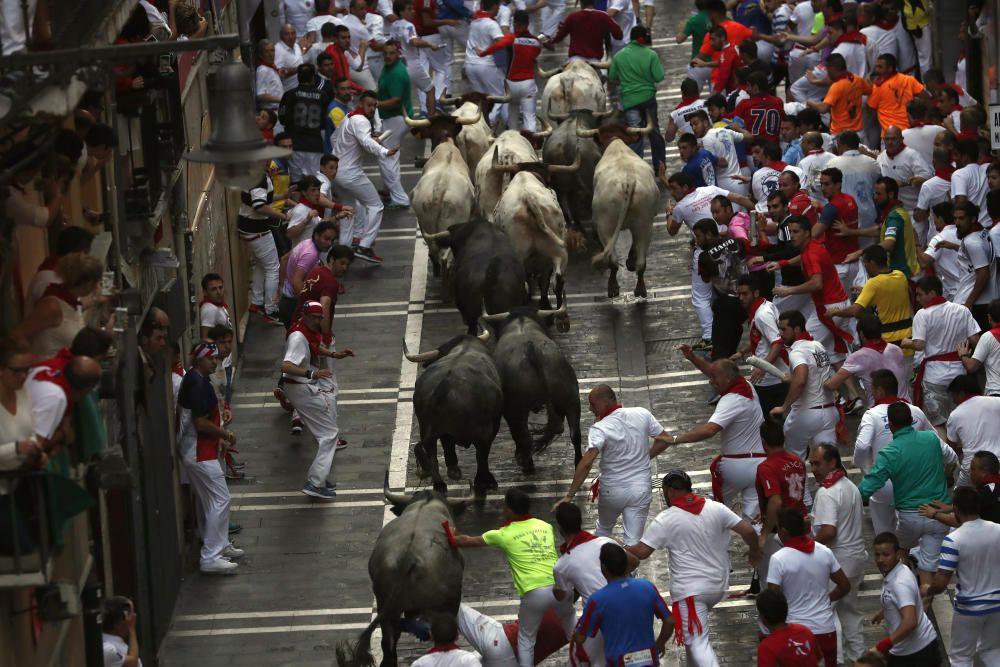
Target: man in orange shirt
pixel 892 92
pixel 843 99
pixel 736 33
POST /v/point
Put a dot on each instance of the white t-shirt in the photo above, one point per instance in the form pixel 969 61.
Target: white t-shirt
pixel 698 545
pixel 454 658
pixel 976 252
pixel 970 182
pixel 359 31
pixel 865 361
pixel 805 581
pixel 622 438
pixel 811 164
pixel 625 18
pixel 210 315
pixel 921 139
pixel 900 590
pixel 482 33
pixel 813 354
pixel 316 23
pixel 580 569
pixel 505 13
pixel 874 434
pixel 721 142
pixel 763 182
pixel 987 353
pixel 840 506
pixel 404 32
pixel 302 214
pixel 942 327
pixel 697 205
pixel 48 404
pixel 884 40
pixel 297 352
pixel 289 57
pixel 907 164
pixel 975 423
pixel 740 418
pixel 946 264
pixel 115 650
pixel 678 114
pixel 802 18
pixel 855 56
pixel 933 192
pixel 268 82
pixel 970 551
pixel 766 322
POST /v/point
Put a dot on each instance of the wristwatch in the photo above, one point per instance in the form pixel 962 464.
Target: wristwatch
pixel 309 374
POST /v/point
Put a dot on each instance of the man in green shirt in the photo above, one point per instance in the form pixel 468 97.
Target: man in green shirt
pixel 914 462
pixel 529 545
pixel 696 26
pixel 393 97
pixel 637 69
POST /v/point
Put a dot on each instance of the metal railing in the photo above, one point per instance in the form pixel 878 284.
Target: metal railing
pixel 25 547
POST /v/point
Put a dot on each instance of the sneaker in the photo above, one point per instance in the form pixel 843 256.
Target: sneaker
pixel 233 553
pixel 704 345
pixel 279 394
pixel 341 444
pixel 368 255
pixel 296 427
pixel 325 494
pixel 219 566
pixel 332 486
pixel 254 308
pixel 232 473
pixel 854 406
pixel 396 206
pixel 272 319
pixel 234 528
pixel 714 398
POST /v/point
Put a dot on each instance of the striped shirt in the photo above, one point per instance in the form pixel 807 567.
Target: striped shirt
pixel 970 552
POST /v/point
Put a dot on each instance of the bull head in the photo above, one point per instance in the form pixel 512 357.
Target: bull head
pixel 404 499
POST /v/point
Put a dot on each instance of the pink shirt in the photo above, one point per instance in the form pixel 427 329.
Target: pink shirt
pixel 305 256
pixel 862 363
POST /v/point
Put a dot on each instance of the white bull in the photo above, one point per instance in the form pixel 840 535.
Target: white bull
pixel 475 138
pixel 510 148
pixel 625 197
pixel 529 213
pixel 576 86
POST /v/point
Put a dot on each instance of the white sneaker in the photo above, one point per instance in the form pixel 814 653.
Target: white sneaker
pixel 233 553
pixel 219 566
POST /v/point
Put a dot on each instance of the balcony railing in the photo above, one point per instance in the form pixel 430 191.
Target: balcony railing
pixel 25 544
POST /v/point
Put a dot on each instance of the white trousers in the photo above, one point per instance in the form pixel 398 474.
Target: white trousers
pixel 421 80
pixel 303 163
pixel 631 503
pixel 487 637
pixel 882 508
pixel 534 604
pixel 13 35
pixel 923 45
pixel 264 264
pixel 551 17
pixel 805 427
pixel 739 477
pixel 819 331
pixel 697 645
pixel 850 620
pixel 368 208
pixel 800 302
pixel 488 79
pixel 804 90
pixel 364 79
pixel 702 296
pixel 318 411
pixel 522 96
pixel 771 546
pixel 799 60
pixel 438 63
pixel 388 166
pixel 375 64
pixel 700 74
pixel 972 636
pixel 452 37
pixel 209 485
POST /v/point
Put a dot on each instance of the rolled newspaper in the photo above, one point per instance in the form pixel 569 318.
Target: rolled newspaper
pixel 768 367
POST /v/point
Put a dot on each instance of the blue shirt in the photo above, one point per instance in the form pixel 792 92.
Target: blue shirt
pixel 752 15
pixel 701 168
pixel 452 9
pixel 793 153
pixel 623 612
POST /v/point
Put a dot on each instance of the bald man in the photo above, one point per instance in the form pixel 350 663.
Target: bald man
pixel 621 436
pixel 906 166
pixel 53 393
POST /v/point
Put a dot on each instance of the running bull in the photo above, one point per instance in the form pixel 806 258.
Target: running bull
pixel 575 85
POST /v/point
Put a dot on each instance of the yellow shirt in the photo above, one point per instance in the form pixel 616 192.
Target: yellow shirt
pixel 530 548
pixel 889 295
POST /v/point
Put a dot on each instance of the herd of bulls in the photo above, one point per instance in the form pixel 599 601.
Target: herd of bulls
pixel 498 222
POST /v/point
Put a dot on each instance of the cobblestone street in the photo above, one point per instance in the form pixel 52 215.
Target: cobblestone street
pixel 303 585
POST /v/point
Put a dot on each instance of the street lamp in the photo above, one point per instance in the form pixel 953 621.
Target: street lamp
pixel 236 147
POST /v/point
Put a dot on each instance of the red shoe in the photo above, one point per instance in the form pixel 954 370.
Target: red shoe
pixel 254 308
pixel 267 319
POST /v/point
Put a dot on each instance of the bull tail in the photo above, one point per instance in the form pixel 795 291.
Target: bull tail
pixel 541 220
pixel 359 652
pixel 601 259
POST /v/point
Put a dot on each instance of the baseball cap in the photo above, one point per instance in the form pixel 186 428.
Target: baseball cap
pixel 312 308
pixel 677 479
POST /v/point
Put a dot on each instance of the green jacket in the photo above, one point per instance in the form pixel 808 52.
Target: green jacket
pixel 638 69
pixel 913 462
pixel 395 82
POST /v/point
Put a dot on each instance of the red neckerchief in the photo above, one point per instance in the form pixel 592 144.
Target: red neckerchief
pixel 689 502
pixel 833 478
pixel 686 101
pixel 444 648
pixel 49 263
pixel 58 378
pixel 805 335
pixel 357 112
pixel 933 301
pixel 917 123
pixel 738 386
pixel 964 398
pixel 852 37
pixel 966 135
pixel 816 151
pixel 61 292
pixel 205 300
pixel 996 332
pixel 178 369
pixel 519 517
pixel 481 15
pixel 608 411
pixel 317 209
pixel 274 67
pixel 315 338
pixel 804 543
pixel 883 79
pixel 953 109
pixel 886 24
pixel 58 362
pixel 889 208
pixel 578 539
pixel 777 165
pixel 944 173
pixel 991 479
pixel 891 154
pixel 888 400
pixel 877 345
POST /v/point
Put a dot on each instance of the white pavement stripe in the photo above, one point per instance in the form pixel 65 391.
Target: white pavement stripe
pixel 220 632
pixel 359 401
pixel 198 618
pixel 318 505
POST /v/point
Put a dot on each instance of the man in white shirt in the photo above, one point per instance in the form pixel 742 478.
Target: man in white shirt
pixel 810 409
pixel 978 259
pixel 970 553
pixel 624 15
pixel 942 251
pixel 579 568
pixel 53 392
pixel 933 191
pixel 695 532
pixel 375 24
pixel 351 140
pixel 968 182
pixel 837 518
pixel 268 84
pixel 120 643
pixel 764 342
pixel 802 570
pixel 413 48
pixel 986 352
pixel 299 12
pixel 912 638
pixel 444 632
pixel 973 424
pixel 737 419
pixel 859 173
pixel 361 43
pixel 940 328
pixel 721 142
pixel 288 57
pixel 920 135
pixel 323 16
pixel 677 123
pixel 905 165
pixel 621 436
pixel 814 160
pixel 484 75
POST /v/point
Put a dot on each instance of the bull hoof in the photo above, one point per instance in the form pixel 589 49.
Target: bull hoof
pixel 441 488
pixel 613 290
pixel 640 292
pixel 485 483
pixel 562 325
pixel 454 472
pixel 526 462
pixel 630 261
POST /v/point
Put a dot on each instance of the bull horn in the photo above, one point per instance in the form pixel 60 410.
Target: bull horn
pixel 438 236
pixel 558 117
pixel 424 122
pixel 649 125
pixel 395 498
pixel 462 500
pixel 547 73
pixel 449 100
pixel 470 121
pixel 494 318
pixel 602 114
pixel 564 168
pixel 501 98
pixel 544 133
pixel 554 313
pixel 420 357
pixel 485 336
pixel 584 134
pixel 604 64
